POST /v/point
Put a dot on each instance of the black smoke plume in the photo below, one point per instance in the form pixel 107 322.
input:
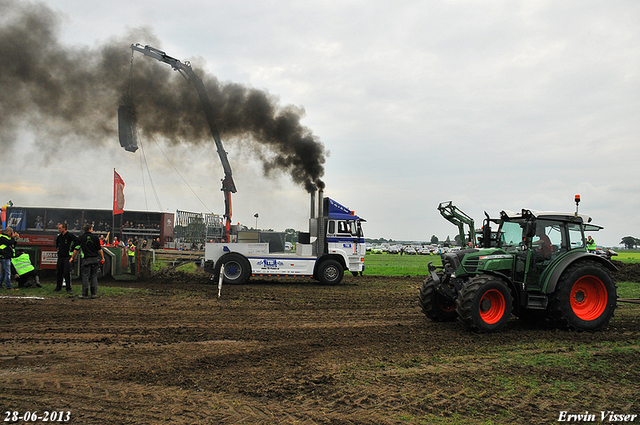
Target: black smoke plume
pixel 59 91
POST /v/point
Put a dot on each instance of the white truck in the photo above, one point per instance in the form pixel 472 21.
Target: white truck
pixel 333 245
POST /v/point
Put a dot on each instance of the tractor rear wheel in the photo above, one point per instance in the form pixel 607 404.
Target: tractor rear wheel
pixel 484 304
pixel 585 297
pixel 434 305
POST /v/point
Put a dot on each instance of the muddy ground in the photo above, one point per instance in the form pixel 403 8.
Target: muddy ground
pixel 296 352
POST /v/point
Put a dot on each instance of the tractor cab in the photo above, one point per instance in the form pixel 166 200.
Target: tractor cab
pixel 539 241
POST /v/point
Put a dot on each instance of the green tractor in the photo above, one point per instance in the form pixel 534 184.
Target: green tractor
pixel 535 266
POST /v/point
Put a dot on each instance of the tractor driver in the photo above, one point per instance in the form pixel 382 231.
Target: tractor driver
pixel 543 244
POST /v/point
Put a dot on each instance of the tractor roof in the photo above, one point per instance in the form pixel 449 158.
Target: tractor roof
pixel 548 215
pixel 552 215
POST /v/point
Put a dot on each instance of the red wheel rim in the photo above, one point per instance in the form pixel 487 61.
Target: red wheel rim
pixel 588 298
pixel 492 306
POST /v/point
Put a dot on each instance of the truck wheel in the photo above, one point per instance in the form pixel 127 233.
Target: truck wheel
pixel 236 269
pixel 330 272
pixel 434 305
pixel 484 304
pixel 585 297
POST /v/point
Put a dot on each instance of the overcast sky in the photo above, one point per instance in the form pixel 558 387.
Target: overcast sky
pixel 491 104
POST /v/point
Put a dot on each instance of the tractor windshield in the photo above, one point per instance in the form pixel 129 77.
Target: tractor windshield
pixel 510 235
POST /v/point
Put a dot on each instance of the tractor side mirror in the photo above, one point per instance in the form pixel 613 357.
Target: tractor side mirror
pixel 530 229
pixel 486 234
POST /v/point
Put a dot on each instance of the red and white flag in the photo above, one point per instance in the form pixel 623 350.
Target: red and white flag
pixel 118 193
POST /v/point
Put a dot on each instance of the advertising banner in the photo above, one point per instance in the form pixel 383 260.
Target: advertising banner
pixel 48 258
pixel 17 219
pixel 40 240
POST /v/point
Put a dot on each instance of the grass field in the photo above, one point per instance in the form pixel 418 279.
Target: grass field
pixel 628 256
pixel 399 265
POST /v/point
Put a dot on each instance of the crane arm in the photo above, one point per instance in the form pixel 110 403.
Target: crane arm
pixel 456 216
pixel 228 185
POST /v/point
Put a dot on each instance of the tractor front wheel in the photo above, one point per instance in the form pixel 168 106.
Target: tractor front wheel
pixel 585 297
pixel 484 304
pixel 434 305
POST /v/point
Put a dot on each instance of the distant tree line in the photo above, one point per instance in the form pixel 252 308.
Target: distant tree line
pixel 630 242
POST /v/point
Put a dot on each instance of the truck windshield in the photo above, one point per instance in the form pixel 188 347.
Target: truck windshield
pixel 510 235
pixel 349 227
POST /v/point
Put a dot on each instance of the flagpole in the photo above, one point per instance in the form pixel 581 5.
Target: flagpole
pixel 113 215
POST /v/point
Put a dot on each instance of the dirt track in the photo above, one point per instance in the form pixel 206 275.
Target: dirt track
pixel 299 353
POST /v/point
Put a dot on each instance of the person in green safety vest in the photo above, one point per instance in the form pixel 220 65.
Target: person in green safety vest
pixel 24 271
pixel 7 252
pixel 131 253
pixel 591 244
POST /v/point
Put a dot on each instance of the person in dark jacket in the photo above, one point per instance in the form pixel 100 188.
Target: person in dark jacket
pixel 92 258
pixel 65 243
pixel 7 251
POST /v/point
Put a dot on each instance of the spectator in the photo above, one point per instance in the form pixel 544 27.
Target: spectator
pixel 25 273
pixel 131 253
pixel 66 242
pixel 92 258
pixel 591 244
pixel 7 250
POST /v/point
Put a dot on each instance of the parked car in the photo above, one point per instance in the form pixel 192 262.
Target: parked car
pixel 607 253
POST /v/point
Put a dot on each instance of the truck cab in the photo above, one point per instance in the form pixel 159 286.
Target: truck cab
pixel 344 236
